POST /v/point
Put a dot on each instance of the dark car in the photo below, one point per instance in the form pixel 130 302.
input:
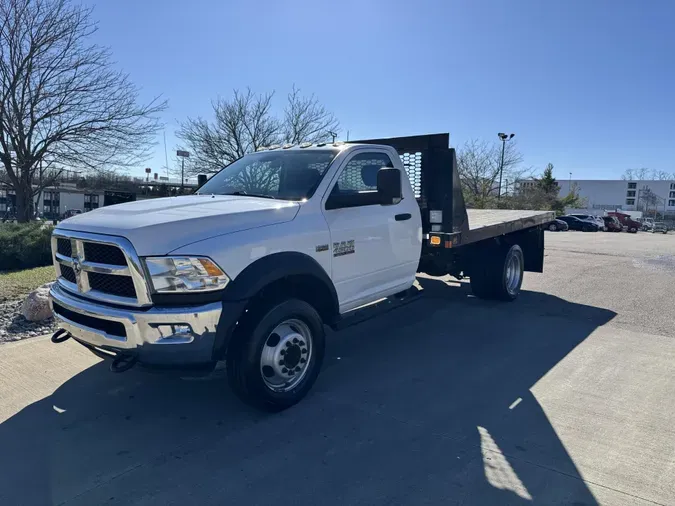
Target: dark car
pixel 577 224
pixel 558 225
pixel 612 224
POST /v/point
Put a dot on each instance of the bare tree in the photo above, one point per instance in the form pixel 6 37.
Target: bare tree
pixel 661 175
pixel 61 100
pixel 241 125
pixel 640 174
pixel 246 123
pixel 479 162
pixel 306 120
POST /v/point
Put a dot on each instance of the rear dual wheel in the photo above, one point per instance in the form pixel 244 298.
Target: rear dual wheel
pixel 499 274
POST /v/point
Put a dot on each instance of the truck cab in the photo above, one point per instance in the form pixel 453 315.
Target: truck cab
pixel 629 224
pixel 269 250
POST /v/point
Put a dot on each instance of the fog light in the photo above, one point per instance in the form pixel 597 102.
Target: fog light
pixel 176 331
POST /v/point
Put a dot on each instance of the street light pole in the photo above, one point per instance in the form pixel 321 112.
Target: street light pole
pixel 503 137
pixel 183 155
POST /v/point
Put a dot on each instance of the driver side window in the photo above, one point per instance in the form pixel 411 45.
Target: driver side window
pixel 356 186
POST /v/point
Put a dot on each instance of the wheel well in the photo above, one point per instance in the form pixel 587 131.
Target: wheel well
pixel 299 286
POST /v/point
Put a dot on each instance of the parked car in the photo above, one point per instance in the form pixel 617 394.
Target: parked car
pixel 71 212
pixel 592 218
pixel 612 224
pixel 558 225
pixel 575 223
pixel 659 226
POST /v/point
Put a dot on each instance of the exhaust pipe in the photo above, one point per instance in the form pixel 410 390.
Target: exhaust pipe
pixel 122 363
pixel 60 336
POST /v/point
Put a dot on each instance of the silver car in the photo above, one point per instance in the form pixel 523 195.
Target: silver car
pixel 659 226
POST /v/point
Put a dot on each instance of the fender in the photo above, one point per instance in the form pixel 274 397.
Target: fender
pixel 272 268
pixel 254 278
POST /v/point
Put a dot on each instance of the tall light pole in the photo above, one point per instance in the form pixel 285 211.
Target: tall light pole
pixel 183 155
pixel 502 137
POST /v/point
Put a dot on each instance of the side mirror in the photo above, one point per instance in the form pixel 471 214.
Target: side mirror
pixel 389 186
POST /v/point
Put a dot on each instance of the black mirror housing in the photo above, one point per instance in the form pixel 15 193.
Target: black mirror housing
pixel 389 188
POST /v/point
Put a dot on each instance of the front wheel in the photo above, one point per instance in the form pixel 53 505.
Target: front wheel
pixel 276 355
pixel 552 227
pixel 499 274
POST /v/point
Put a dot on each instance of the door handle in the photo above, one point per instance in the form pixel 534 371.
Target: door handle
pixel 403 217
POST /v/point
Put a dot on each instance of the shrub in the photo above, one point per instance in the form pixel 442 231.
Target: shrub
pixel 24 245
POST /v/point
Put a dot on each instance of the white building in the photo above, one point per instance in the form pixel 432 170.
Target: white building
pixel 620 194
pixel 54 202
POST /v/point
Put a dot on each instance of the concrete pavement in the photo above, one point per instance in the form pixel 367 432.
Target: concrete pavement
pixel 562 397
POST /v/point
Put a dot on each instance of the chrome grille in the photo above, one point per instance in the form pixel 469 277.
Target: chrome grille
pixel 100 267
pixel 104 254
pixel 116 285
pixel 64 247
pixel 68 274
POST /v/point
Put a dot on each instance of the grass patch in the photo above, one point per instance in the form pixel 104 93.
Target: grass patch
pixel 17 284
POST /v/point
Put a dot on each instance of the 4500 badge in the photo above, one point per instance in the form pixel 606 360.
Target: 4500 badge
pixel 343 248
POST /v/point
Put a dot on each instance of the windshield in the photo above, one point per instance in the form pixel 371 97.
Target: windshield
pixel 287 175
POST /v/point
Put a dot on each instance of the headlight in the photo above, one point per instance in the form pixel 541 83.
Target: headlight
pixel 185 274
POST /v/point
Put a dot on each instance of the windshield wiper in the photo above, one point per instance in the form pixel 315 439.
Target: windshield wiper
pixel 242 193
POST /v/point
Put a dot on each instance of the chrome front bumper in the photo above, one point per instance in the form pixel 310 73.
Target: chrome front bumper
pixel 158 336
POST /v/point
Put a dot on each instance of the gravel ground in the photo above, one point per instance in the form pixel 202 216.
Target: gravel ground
pixel 630 274
pixel 14 327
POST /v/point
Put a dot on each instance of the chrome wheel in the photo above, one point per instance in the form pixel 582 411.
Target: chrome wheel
pixel 513 274
pixel 552 227
pixel 286 355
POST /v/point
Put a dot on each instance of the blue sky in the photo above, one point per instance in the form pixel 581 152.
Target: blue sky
pixel 588 85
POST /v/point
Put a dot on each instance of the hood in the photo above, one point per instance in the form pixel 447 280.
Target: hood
pixel 159 226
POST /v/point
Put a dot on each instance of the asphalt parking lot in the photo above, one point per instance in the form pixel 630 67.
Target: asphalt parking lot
pixel 562 397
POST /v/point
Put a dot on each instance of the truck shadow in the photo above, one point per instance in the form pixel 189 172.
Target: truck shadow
pixel 428 404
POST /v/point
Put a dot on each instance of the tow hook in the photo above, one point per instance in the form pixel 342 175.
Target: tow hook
pixel 122 363
pixel 60 336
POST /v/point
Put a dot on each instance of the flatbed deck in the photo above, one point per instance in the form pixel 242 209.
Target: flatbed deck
pixel 480 218
pixel 486 223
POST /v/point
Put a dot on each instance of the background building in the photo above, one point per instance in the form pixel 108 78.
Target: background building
pixel 645 196
pixel 88 193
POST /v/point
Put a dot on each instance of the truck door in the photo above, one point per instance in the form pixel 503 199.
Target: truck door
pixel 375 248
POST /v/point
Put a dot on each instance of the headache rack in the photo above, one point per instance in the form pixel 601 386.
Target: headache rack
pixel 431 166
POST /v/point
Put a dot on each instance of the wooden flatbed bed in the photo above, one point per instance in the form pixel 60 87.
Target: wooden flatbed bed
pixel 486 223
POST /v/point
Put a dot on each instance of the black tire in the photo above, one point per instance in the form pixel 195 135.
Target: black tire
pixel 553 227
pixel 490 279
pixel 244 371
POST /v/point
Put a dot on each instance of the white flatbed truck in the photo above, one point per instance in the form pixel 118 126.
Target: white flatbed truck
pixel 271 249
